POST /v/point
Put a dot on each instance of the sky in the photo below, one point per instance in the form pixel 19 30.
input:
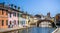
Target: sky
pixel 34 7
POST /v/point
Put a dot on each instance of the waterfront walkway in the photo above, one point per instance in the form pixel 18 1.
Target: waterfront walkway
pixel 11 29
pixel 56 31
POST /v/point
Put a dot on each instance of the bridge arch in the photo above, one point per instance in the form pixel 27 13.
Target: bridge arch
pixel 50 21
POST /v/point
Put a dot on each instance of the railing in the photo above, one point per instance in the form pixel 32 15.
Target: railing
pixel 55 30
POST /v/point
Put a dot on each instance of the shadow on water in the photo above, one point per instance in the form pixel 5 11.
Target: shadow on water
pixel 34 30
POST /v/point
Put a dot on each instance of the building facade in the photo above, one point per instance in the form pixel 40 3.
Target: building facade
pixel 21 20
pixel 3 17
pixel 13 18
pixel 8 16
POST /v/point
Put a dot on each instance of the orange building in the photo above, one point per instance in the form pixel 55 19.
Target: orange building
pixel 3 18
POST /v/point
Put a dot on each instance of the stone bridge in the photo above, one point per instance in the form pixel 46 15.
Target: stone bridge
pixel 39 22
pixel 45 23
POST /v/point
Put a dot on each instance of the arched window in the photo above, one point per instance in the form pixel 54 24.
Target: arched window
pixel 10 23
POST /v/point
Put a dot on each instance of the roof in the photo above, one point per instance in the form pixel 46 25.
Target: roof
pixel 7 7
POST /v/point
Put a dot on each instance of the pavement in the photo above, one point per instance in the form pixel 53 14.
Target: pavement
pixel 56 31
pixel 11 29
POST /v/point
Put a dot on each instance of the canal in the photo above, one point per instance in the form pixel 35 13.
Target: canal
pixel 34 30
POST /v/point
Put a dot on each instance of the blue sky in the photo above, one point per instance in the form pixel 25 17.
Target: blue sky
pixel 37 6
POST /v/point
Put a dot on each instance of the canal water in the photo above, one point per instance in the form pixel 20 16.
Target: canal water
pixel 34 30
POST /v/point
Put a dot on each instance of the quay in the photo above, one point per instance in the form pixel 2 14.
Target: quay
pixel 57 30
pixel 12 29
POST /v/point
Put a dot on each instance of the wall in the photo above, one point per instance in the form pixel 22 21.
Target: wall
pixel 3 17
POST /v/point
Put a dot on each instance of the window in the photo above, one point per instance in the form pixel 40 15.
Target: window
pixel 14 14
pixel 20 15
pixel 6 22
pixel 18 22
pixel 2 12
pixel 6 12
pixel 59 17
pixel 23 22
pixel 2 22
pixel 17 14
pixel 10 14
pixel 15 22
pixel 10 23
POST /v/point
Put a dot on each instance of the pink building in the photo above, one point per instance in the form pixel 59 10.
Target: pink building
pixel 12 19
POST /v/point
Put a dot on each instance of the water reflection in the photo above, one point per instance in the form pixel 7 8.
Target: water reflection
pixel 34 30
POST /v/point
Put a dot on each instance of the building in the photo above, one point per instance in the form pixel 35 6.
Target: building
pixel 27 19
pixel 20 18
pixel 31 22
pixel 8 16
pixel 57 20
pixel 3 16
pixel 48 14
pixel 13 18
pixel 24 19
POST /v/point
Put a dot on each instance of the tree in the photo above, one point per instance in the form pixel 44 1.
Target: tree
pixel 3 2
pixel 11 5
pixel 18 8
pixel 15 7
